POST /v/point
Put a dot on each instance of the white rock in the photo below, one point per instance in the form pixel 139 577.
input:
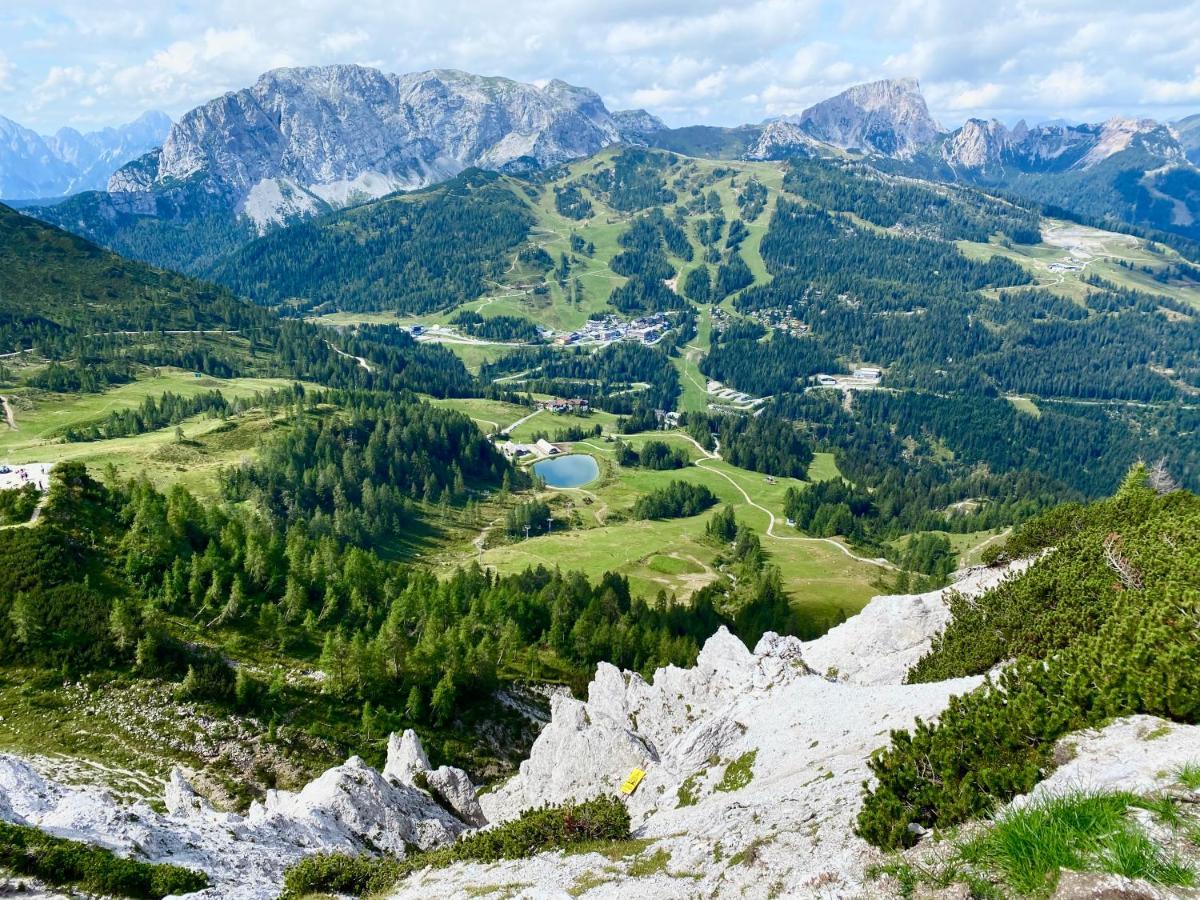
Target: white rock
pixel 1139 754
pixel 889 636
pixel 406 758
pixel 350 808
pixel 454 787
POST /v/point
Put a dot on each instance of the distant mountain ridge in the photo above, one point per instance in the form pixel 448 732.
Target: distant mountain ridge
pixel 299 141
pixel 1129 170
pixel 34 166
pixel 304 141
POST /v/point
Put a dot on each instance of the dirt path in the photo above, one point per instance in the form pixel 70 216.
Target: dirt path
pixel 773 519
pixel 9 416
pixel 690 356
pixel 995 537
pixel 362 362
pixel 876 561
pixel 519 422
pixel 37 510
pixel 715 455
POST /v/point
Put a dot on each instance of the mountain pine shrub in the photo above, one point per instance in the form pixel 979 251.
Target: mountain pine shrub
pixel 535 831
pixel 1088 647
pixel 64 863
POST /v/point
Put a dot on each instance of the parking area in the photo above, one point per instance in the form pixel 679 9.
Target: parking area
pixel 18 476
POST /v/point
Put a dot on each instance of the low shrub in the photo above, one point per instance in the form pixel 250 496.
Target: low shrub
pixel 738 773
pixel 992 744
pixel 64 863
pixel 535 831
pixel 1105 626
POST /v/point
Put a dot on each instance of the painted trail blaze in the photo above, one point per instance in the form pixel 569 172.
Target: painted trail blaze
pixel 634 779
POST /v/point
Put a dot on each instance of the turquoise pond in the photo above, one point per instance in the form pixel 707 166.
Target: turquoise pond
pixel 567 471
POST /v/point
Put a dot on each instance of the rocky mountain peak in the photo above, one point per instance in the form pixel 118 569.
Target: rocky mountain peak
pixel 887 117
pixel 978 144
pixel 637 124
pixel 304 139
pixel 1056 146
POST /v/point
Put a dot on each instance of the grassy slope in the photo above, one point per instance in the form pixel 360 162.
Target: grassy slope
pixel 209 443
pixel 1105 248
pixel 603 228
pixel 670 555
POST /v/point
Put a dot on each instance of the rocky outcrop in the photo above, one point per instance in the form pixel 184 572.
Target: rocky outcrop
pixel 989 147
pixel 304 139
pixel 454 788
pixel 754 763
pixel 636 125
pixel 979 145
pixel 407 764
pixel 350 807
pixel 780 139
pixel 887 117
pixel 808 737
pixel 406 758
pixel 1138 754
pixel 889 636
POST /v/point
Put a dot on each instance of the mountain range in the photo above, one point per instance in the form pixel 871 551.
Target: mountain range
pixel 303 141
pixel 34 166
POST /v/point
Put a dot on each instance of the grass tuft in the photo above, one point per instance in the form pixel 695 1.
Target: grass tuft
pixel 738 773
pixel 1189 775
pixel 1028 847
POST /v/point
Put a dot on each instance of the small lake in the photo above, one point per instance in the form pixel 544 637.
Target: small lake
pixel 567 471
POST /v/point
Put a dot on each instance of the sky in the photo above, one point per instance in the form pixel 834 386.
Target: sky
pixel 90 64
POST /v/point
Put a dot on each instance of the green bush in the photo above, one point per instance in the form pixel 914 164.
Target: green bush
pixel 338 873
pixel 738 773
pixel 535 831
pixel 1104 626
pixel 63 863
pixel 17 504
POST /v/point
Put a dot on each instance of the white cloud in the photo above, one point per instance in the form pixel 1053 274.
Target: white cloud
pixel 689 60
pixel 344 41
pixel 6 73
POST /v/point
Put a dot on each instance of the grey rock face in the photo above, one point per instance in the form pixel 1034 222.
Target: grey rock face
pixel 350 808
pixel 782 138
pixel 989 146
pixel 406 758
pixel 301 139
pixel 454 787
pixel 885 117
pixel 636 125
pixel 408 765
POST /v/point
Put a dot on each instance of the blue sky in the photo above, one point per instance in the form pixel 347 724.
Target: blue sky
pixel 88 64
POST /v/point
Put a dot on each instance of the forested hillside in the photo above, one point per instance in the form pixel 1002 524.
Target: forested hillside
pixel 54 285
pixel 411 253
pixel 99 319
pixel 956 336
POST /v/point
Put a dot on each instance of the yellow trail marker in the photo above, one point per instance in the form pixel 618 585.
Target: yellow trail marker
pixel 634 779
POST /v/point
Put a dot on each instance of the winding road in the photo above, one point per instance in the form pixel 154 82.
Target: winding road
pixel 715 454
